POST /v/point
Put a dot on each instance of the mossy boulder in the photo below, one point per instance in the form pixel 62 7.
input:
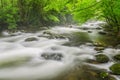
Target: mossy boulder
pixel 117 57
pixel 98 44
pixel 31 39
pixel 101 58
pixel 115 68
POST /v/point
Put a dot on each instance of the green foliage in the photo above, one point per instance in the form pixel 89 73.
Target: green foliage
pixel 45 12
pixel 55 10
pixel 84 10
pixel 54 18
pixel 8 15
pixel 111 9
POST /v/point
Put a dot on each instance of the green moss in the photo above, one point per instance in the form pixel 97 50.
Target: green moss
pixel 115 68
pixel 104 74
pixel 117 57
pixel 101 58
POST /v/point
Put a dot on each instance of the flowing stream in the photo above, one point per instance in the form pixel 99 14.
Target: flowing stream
pixel 51 54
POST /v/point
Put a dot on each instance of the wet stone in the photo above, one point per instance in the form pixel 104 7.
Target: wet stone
pixel 115 68
pixel 99 48
pixel 47 32
pixel 89 31
pixel 52 56
pixel 117 57
pixel 101 58
pixel 31 39
pixel 98 28
pixel 98 44
pixel 102 32
pixel 85 28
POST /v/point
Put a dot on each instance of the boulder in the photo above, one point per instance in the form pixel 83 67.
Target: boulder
pixel 47 32
pixel 99 28
pixel 99 48
pixel 115 68
pixel 117 57
pixel 31 39
pixel 101 58
pixel 85 28
pixel 98 44
pixel 52 56
pixel 102 32
pixel 89 31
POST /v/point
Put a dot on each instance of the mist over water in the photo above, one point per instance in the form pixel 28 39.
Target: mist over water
pixel 23 60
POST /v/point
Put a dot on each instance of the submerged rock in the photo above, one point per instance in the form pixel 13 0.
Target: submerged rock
pixel 31 39
pixel 85 28
pixel 98 44
pixel 102 32
pixel 98 28
pixel 115 68
pixel 52 56
pixel 101 58
pixel 117 57
pixel 99 48
pixel 47 32
pixel 89 31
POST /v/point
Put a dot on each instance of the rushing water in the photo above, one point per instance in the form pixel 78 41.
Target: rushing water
pixel 23 60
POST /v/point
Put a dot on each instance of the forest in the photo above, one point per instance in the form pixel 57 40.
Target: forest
pixel 17 13
pixel 60 39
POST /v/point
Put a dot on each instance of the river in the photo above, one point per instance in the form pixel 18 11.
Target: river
pixel 53 54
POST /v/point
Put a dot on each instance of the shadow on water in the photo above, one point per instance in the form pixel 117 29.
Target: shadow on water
pixel 78 38
pixel 106 39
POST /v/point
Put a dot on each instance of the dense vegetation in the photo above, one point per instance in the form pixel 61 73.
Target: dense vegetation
pixel 17 13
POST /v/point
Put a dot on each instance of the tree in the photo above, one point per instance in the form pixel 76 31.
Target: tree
pixel 111 9
pixel 94 9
